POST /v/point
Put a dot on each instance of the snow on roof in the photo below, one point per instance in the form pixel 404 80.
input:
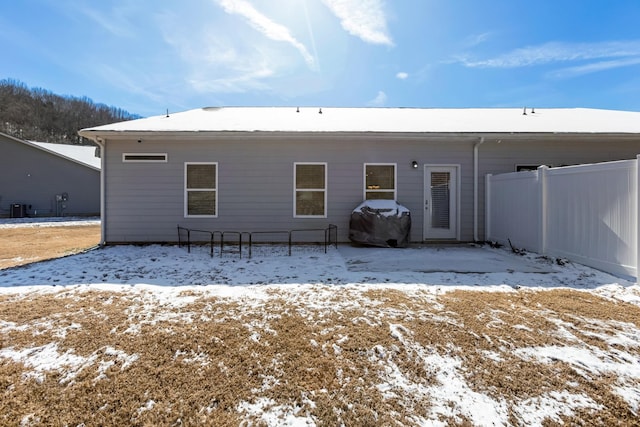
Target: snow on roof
pixel 410 120
pixel 84 154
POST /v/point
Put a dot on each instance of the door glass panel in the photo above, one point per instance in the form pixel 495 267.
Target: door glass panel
pixel 440 197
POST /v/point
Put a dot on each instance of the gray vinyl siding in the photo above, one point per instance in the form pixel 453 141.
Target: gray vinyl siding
pixel 145 202
pixel 33 177
pixel 255 189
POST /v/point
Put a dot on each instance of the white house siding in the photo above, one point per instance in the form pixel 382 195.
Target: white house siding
pixel 501 154
pixel 145 202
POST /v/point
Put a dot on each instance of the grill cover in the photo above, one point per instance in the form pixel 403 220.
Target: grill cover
pixel 383 223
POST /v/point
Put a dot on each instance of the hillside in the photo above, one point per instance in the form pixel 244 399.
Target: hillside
pixel 40 115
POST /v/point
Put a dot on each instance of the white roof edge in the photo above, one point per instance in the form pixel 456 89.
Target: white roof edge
pixel 65 151
pixel 381 120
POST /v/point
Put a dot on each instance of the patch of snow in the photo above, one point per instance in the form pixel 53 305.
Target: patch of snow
pixel 451 397
pixel 492 355
pixel 147 406
pixel 621 292
pixel 46 358
pixel 192 357
pixel 631 395
pixel 588 362
pixel 85 154
pixel 423 120
pixel 29 420
pixel 47 222
pixel 542 409
pixel 386 208
pixel 275 415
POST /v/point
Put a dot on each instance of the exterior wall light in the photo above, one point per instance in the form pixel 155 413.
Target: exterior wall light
pixel 414 164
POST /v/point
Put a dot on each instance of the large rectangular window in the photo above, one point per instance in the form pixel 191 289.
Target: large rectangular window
pixel 201 190
pixel 310 190
pixel 380 181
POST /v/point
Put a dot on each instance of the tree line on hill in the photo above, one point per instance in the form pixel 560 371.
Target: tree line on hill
pixel 37 114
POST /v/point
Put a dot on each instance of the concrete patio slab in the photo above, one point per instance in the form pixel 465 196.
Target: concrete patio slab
pixel 439 259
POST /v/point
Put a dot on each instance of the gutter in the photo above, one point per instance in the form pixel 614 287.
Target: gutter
pixel 476 178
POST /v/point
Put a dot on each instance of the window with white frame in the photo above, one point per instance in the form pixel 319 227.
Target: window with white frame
pixel 310 188
pixel 380 181
pixel 201 189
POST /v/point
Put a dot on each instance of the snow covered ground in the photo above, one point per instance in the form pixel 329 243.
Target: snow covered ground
pixel 343 279
pixel 169 265
pixel 47 221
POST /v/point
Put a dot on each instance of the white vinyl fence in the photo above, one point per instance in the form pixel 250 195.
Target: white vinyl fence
pixel 587 213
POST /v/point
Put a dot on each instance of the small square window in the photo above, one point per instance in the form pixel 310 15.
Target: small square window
pixel 379 181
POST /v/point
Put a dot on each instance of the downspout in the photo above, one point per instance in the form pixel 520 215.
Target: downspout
pixel 103 226
pixel 476 178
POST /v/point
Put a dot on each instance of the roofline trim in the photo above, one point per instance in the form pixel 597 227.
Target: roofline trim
pixel 102 136
pixel 62 156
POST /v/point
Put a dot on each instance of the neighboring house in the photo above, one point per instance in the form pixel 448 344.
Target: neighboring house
pixel 260 169
pixel 42 179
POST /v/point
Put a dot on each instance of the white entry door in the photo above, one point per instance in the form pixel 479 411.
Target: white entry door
pixel 440 202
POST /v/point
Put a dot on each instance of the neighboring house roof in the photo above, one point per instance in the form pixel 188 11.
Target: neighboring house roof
pixel 409 120
pixel 84 154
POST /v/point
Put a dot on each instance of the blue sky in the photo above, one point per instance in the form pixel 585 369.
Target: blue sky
pixel 147 56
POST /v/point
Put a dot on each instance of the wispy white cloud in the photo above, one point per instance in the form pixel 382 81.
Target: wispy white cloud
pixel 476 39
pixel 128 80
pixel 213 57
pixel 594 67
pixel 266 26
pixel 216 64
pixel 557 52
pixel 241 76
pixel 362 18
pixel 312 37
pixel 402 75
pixel 116 22
pixel 379 101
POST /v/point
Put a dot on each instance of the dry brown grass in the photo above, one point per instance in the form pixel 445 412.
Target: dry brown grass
pixel 24 245
pixel 197 363
pixel 332 354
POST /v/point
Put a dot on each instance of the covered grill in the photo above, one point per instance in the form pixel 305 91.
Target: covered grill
pixel 383 223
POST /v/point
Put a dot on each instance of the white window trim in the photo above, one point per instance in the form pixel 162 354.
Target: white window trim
pixel 126 160
pixel 325 189
pixel 395 180
pixel 187 190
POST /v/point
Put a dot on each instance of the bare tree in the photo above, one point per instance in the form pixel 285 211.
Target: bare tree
pixel 39 115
